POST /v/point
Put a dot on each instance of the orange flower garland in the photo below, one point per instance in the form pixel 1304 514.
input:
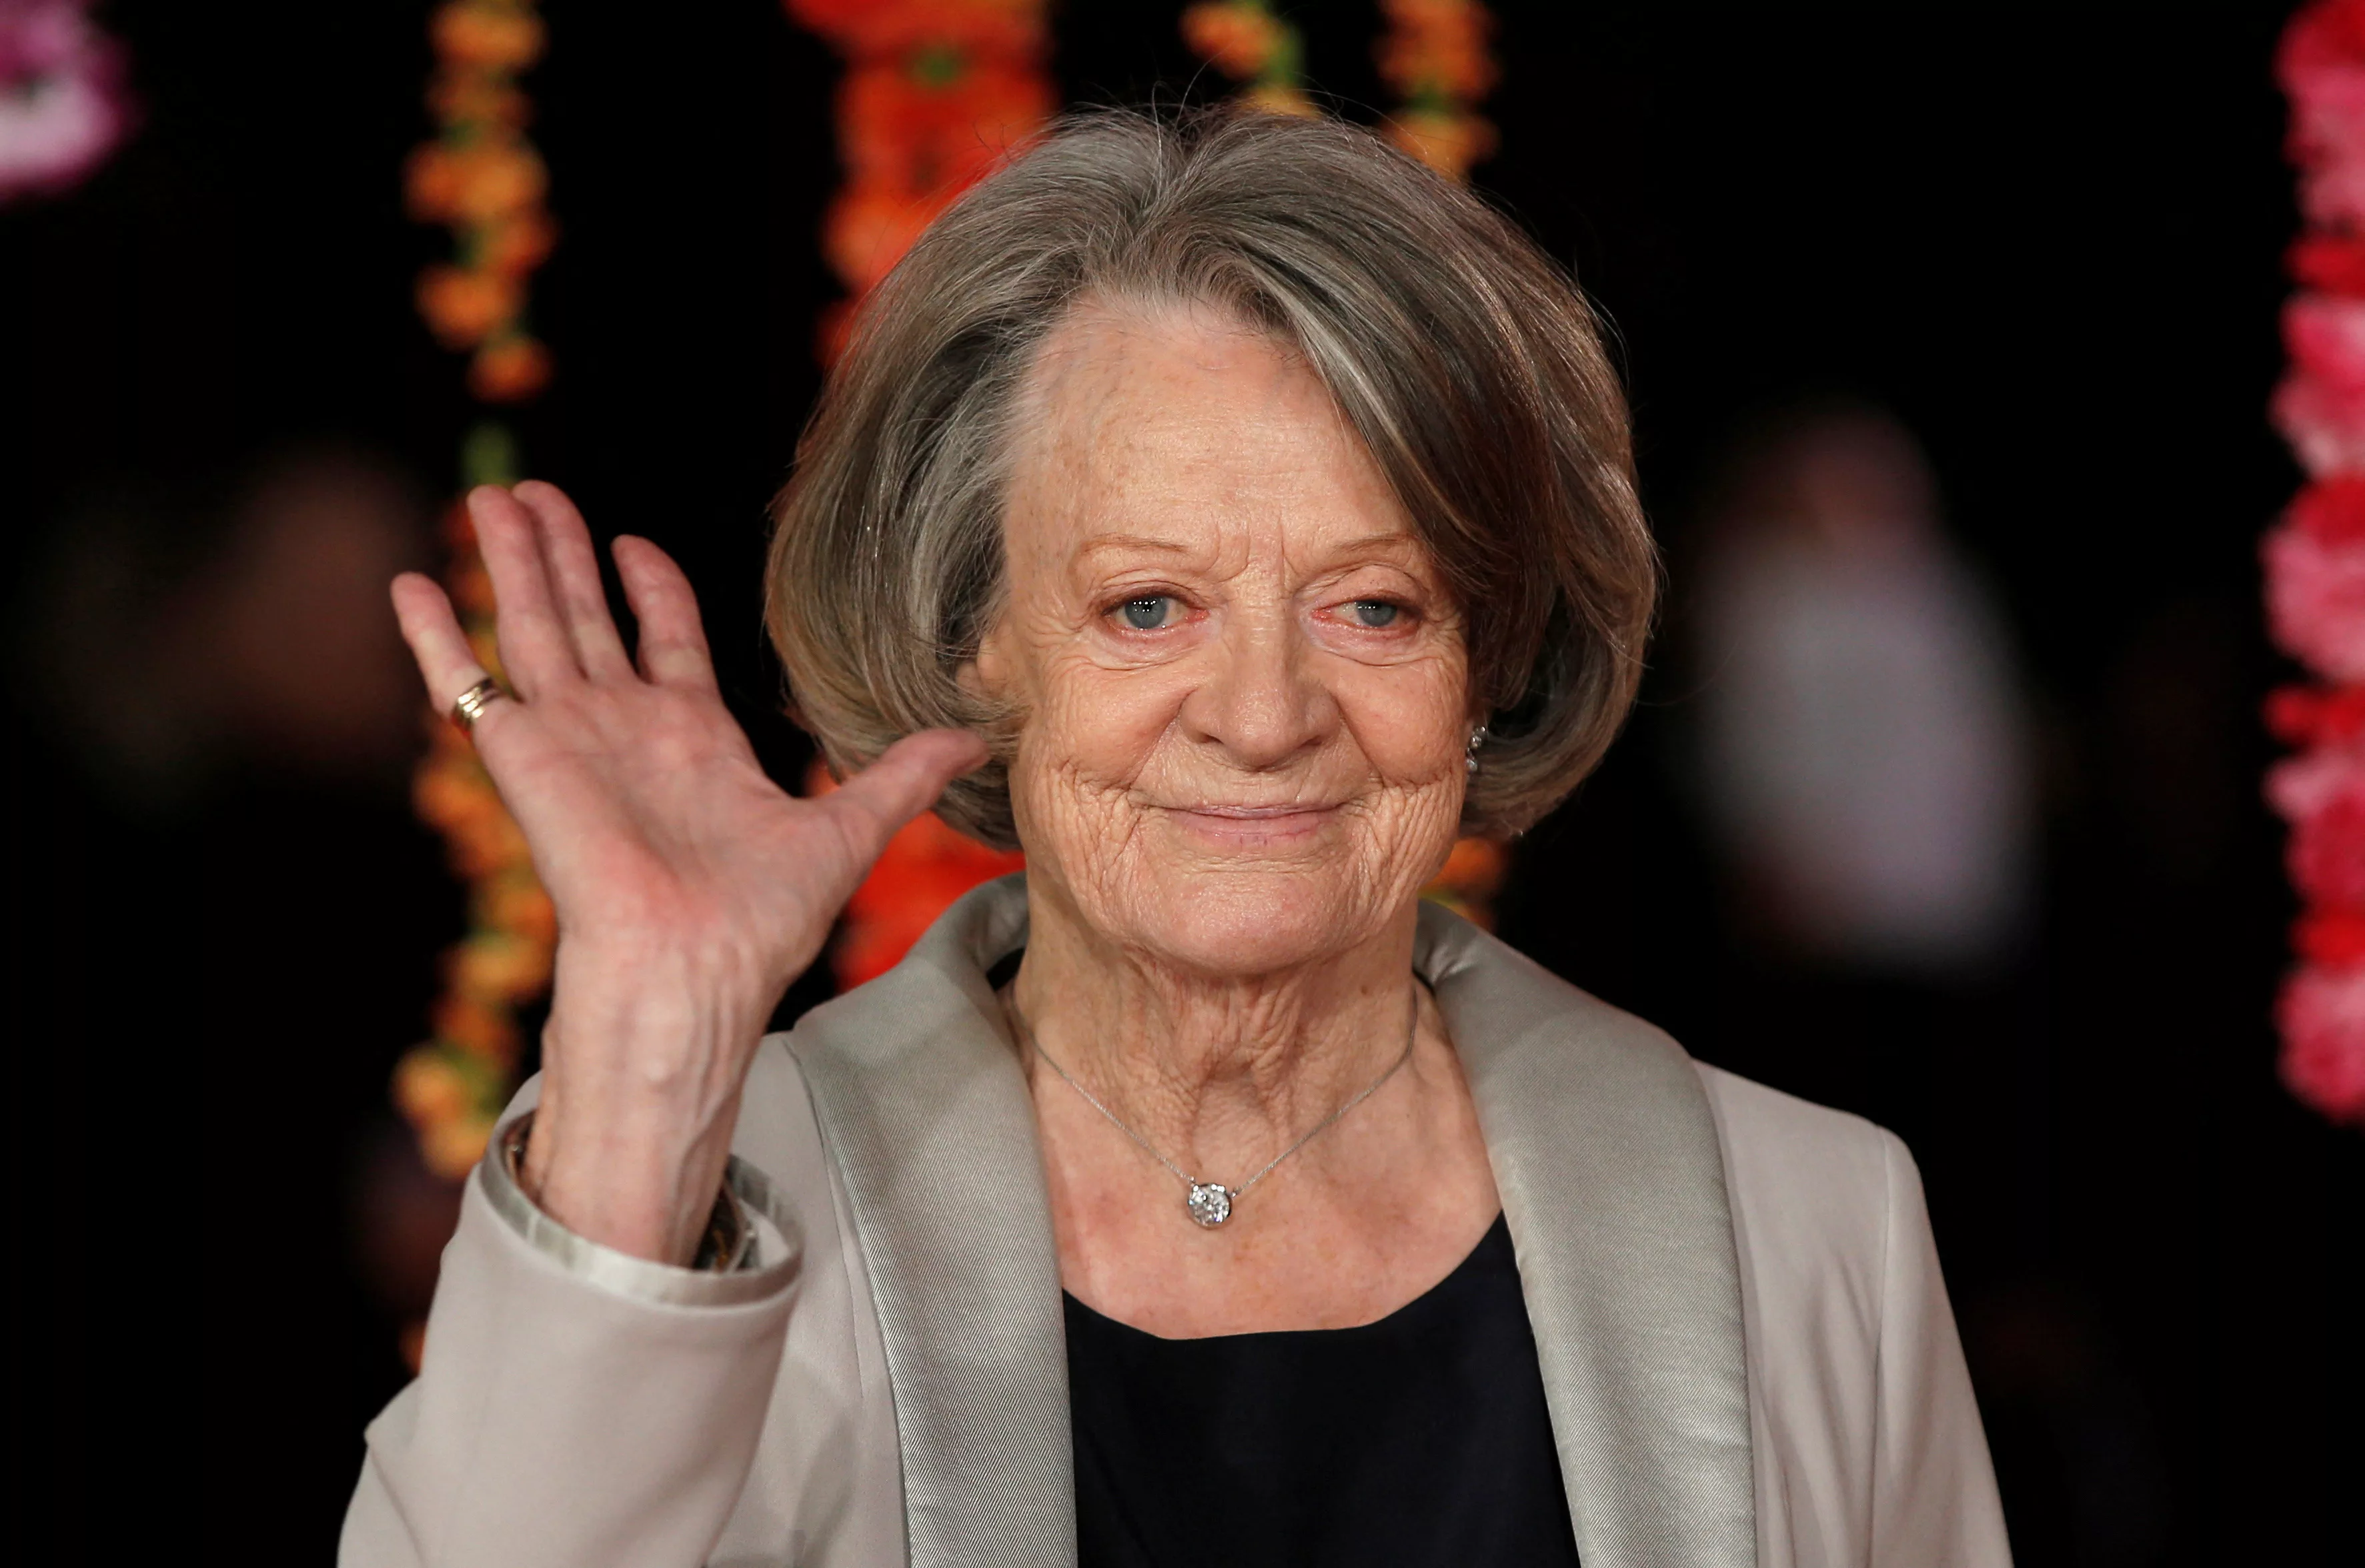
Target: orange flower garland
pixel 1246 41
pixel 936 92
pixel 1434 54
pixel 483 179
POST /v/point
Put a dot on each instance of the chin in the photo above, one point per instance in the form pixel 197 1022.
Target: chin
pixel 1252 918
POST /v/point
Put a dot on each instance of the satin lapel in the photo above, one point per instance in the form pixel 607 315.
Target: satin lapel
pixel 1613 1184
pixel 923 1104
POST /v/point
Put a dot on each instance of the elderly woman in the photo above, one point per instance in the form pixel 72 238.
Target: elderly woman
pixel 1229 514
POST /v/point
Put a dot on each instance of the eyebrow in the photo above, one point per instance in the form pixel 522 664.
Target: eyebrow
pixel 1372 542
pixel 1100 542
pixel 1368 543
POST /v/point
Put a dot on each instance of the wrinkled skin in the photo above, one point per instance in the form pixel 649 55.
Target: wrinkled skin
pixel 1241 703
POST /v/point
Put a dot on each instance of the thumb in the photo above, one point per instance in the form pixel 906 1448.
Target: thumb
pixel 906 780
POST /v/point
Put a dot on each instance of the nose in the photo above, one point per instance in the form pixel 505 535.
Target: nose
pixel 1262 703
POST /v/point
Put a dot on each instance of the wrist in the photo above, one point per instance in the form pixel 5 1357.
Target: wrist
pixel 725 1244
pixel 642 1068
pixel 646 1187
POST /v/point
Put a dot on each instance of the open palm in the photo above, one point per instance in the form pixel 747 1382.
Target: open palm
pixel 690 888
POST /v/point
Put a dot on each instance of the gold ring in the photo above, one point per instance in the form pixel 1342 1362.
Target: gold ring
pixel 470 705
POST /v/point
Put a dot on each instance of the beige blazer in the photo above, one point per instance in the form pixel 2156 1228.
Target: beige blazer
pixel 1746 1343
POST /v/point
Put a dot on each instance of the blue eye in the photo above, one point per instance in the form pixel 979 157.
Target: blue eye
pixel 1145 614
pixel 1376 612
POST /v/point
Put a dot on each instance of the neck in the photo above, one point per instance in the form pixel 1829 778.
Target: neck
pixel 1218 1072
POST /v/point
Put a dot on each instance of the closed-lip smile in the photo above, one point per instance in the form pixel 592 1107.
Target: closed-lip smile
pixel 1242 825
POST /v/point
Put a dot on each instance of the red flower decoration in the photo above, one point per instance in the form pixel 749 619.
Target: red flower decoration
pixel 2316 600
pixel 2314 563
pixel 2335 263
pixel 2326 853
pixel 2322 1014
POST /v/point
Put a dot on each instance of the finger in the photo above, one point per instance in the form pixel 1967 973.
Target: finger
pixel 575 577
pixel 445 661
pixel 905 781
pixel 673 639
pixel 535 652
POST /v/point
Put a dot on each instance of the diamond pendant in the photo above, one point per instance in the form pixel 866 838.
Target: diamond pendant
pixel 1210 1204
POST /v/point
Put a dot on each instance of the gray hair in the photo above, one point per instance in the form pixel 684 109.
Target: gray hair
pixel 1463 356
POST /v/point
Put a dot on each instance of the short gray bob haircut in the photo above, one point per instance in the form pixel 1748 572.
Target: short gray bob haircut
pixel 1462 355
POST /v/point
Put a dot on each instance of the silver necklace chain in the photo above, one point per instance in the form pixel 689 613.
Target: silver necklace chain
pixel 1210 1203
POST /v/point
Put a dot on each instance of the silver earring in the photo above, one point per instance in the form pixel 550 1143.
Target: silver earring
pixel 1478 739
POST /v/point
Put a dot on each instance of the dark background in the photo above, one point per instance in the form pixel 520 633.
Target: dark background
pixel 2047 234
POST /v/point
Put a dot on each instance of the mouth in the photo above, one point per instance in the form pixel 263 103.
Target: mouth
pixel 1252 826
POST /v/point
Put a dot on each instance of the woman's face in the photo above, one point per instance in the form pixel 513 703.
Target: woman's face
pixel 1242 682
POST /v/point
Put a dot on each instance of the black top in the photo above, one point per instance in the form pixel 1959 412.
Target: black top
pixel 1418 1439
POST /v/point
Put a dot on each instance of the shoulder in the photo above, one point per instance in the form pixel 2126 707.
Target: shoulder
pixel 1782 1149
pixel 1862 1419
pixel 1560 1049
pixel 1818 1198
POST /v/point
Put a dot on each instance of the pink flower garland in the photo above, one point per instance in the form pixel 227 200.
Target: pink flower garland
pixel 2315 561
pixel 62 104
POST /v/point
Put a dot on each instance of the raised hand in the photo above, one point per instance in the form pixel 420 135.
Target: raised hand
pixel 690 890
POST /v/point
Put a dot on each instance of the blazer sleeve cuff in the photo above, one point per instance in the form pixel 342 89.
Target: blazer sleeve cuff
pixel 763 1263
pixel 577 1408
